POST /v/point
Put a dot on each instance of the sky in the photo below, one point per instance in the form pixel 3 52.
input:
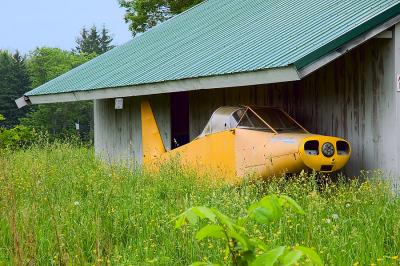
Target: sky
pixel 27 24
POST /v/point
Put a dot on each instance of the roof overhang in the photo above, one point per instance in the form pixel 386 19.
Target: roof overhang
pixel 324 60
pixel 268 76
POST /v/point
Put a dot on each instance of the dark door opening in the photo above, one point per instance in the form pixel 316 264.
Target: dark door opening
pixel 179 119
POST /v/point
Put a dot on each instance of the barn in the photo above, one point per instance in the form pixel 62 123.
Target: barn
pixel 333 65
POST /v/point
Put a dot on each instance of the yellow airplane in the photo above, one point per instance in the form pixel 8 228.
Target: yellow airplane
pixel 245 140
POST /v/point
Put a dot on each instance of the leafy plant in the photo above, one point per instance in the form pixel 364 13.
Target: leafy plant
pixel 241 248
pixel 15 137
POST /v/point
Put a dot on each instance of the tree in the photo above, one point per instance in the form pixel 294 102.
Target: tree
pixel 145 14
pixel 14 82
pixel 93 42
pixel 45 64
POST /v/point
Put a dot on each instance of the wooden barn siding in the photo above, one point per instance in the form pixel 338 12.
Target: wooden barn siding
pixel 118 133
pixel 353 97
pixel 114 136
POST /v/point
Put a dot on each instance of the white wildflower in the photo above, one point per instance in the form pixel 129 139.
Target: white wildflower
pixel 335 216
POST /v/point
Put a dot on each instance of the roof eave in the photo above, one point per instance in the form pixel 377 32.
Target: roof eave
pixel 258 77
pixel 349 46
pixel 382 19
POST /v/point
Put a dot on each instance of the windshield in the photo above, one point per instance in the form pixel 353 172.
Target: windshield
pixel 255 118
pixel 224 118
pixel 277 119
pixel 251 121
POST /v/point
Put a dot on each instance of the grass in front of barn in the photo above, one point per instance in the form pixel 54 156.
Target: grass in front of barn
pixel 58 205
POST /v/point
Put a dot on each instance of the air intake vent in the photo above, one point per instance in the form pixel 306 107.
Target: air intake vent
pixel 311 147
pixel 343 148
pixel 326 168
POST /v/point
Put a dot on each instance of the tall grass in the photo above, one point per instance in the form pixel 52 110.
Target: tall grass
pixel 59 205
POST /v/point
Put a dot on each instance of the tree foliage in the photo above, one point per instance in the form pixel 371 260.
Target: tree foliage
pixel 18 74
pixel 15 137
pixel 145 14
pixel 94 42
pixel 45 64
pixel 14 82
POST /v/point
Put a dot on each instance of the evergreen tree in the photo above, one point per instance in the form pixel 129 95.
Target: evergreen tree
pixel 93 42
pixel 105 41
pixel 14 82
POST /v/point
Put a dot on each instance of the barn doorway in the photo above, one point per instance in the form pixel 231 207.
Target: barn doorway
pixel 179 119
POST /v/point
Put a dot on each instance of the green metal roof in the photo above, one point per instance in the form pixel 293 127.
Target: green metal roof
pixel 221 37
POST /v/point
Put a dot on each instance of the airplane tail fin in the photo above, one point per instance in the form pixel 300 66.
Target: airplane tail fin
pixel 153 145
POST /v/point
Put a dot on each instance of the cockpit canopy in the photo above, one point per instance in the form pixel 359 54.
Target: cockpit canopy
pixel 268 119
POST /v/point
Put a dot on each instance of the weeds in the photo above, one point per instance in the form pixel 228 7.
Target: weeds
pixel 59 205
pixel 239 246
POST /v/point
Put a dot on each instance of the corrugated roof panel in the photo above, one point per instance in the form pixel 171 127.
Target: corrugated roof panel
pixel 228 36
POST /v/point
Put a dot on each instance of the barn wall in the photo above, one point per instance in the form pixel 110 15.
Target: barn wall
pixel 118 133
pixel 353 97
pixel 162 112
pixel 114 137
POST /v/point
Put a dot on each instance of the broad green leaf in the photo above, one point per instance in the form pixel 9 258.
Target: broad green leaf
pixel 212 231
pixel 192 216
pixel 180 221
pixel 291 257
pixel 204 213
pixel 227 221
pixel 262 215
pixel 293 204
pixel 242 239
pixel 266 210
pixel 185 218
pixel 312 255
pixel 272 202
pixel 269 258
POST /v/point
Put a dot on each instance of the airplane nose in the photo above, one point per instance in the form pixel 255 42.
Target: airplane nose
pixel 328 150
pixel 324 153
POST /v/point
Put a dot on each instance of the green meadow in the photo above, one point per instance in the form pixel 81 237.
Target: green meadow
pixel 61 206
